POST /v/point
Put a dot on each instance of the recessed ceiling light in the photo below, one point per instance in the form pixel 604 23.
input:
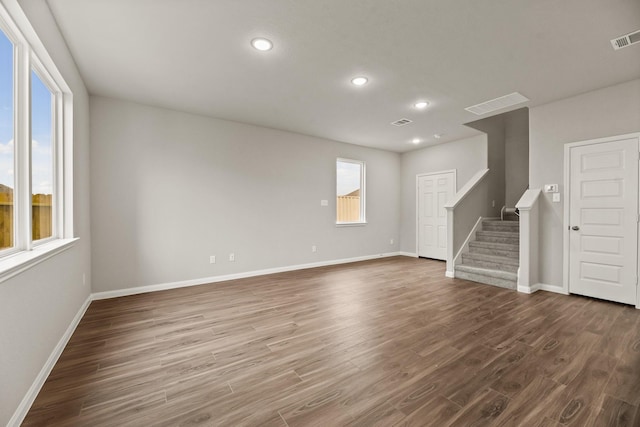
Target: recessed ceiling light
pixel 359 81
pixel 421 104
pixel 416 140
pixel 261 44
pixel 437 135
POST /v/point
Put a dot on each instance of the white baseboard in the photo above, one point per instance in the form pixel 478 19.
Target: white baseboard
pixel 450 274
pixel 529 289
pixel 542 287
pixel 409 254
pixel 552 288
pixel 32 393
pixel 223 278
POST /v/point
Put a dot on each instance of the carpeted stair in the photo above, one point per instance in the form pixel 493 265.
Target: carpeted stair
pixel 493 257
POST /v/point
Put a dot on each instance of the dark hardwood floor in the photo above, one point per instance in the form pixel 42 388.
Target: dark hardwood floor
pixel 385 342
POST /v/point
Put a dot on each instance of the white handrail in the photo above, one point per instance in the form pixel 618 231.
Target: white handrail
pixel 466 189
pixel 463 227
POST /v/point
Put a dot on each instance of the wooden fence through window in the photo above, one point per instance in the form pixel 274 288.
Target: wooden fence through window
pixel 348 209
pixel 40 217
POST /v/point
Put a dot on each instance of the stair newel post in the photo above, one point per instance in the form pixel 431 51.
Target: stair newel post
pixel 529 230
pixel 450 249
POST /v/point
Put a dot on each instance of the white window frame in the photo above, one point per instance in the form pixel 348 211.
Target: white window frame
pixel 30 54
pixel 57 113
pixel 363 217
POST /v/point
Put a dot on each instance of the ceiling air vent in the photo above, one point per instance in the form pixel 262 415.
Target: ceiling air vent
pixel 497 104
pixel 401 122
pixel 626 40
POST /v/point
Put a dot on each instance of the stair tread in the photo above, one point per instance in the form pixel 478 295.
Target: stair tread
pixel 488 272
pixel 492 258
pixel 499 233
pixel 495 245
pixel 501 224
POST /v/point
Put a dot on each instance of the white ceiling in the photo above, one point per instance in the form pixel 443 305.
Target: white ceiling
pixel 195 56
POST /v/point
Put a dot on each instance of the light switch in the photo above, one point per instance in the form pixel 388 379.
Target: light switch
pixel 556 197
pixel 324 203
pixel 551 188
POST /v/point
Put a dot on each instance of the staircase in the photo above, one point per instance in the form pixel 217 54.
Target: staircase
pixel 493 257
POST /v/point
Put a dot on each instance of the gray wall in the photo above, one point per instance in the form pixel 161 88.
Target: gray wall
pixel 169 189
pixel 508 155
pixel 494 127
pixel 37 306
pixel 467 156
pixel 516 153
pixel 606 112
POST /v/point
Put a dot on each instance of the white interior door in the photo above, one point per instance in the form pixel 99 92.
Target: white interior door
pixel 603 220
pixel 433 192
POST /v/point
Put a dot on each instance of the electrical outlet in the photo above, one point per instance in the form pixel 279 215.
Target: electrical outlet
pixel 391 241
pixel 212 259
pixel 232 257
pixel 314 249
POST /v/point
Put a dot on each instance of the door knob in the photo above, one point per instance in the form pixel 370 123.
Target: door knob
pixel 575 227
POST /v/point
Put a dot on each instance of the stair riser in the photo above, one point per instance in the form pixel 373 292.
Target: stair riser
pixel 489 264
pixel 496 252
pixel 502 283
pixel 498 239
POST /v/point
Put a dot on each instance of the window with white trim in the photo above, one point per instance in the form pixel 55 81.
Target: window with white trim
pixel 33 106
pixel 350 192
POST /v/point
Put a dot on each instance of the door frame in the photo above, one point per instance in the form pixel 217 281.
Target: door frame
pixel 567 199
pixel 418 176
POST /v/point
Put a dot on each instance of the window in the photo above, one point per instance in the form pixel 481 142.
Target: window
pixel 350 192
pixel 34 220
pixel 7 152
pixel 42 121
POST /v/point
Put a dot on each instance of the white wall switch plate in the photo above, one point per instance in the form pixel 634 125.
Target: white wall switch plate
pixel 324 203
pixel 212 259
pixel 313 248
pixel 556 197
pixel 232 257
pixel 551 188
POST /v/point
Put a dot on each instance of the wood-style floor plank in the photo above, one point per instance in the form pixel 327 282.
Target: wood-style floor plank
pixel 377 343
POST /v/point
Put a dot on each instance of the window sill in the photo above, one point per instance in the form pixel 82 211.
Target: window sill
pixel 22 261
pixel 351 224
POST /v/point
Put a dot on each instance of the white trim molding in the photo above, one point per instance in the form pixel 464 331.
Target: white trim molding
pixel 466 189
pixel 234 276
pixel 409 254
pixel 527 289
pixel 529 244
pixel 557 289
pixel 32 393
pixel 22 261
